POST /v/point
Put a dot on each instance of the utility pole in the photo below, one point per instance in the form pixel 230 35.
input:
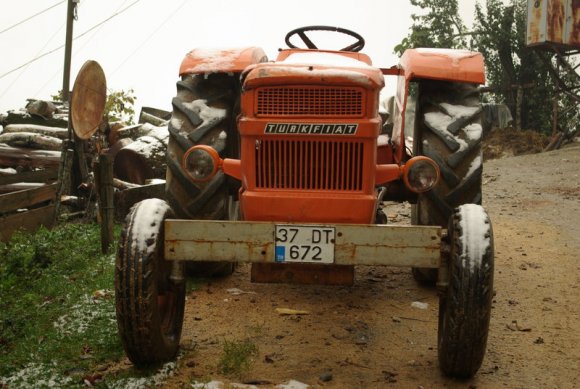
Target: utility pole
pixel 70 16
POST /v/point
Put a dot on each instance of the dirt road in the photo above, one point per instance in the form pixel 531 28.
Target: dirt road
pixel 370 336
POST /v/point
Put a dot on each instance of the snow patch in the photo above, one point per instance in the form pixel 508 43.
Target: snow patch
pixel 459 111
pixel 292 384
pixel 166 371
pixel 8 170
pixel 176 123
pixel 475 164
pixel 351 75
pixel 438 121
pixel 36 375
pixel 208 115
pixel 325 59
pixel 455 55
pixel 221 385
pixel 150 213
pixel 473 131
pixel 81 315
pixel 214 59
pixel 475 237
pixel 159 133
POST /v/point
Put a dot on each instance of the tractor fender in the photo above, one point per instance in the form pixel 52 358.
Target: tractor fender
pixel 205 61
pixel 443 64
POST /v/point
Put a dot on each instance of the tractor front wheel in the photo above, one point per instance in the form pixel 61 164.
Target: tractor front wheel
pixel 149 291
pixel 465 307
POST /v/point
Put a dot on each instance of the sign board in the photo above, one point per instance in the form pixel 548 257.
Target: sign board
pixel 554 22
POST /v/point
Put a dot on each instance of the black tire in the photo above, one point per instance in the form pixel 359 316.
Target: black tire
pixel 149 300
pixel 456 149
pixel 465 308
pixel 189 126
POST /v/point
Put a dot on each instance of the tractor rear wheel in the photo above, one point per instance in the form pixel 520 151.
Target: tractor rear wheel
pixel 149 291
pixel 448 130
pixel 204 113
pixel 465 307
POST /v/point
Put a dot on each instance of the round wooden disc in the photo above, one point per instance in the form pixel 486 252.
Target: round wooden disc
pixel 88 99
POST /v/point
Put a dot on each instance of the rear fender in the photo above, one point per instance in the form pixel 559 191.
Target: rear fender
pixel 205 61
pixel 436 64
pixel 443 64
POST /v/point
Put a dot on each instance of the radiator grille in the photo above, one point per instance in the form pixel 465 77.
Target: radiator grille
pixel 309 165
pixel 301 101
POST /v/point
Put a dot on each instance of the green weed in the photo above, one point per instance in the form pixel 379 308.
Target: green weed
pixel 237 357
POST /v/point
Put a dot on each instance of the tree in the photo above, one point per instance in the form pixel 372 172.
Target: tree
pixel 439 26
pixel 118 106
pixel 500 35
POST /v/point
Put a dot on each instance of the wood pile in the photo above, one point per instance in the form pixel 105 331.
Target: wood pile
pixel 32 141
pixel 30 153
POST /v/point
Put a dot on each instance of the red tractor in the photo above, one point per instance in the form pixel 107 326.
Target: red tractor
pixel 285 164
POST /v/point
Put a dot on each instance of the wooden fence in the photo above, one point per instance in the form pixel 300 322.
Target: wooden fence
pixel 27 209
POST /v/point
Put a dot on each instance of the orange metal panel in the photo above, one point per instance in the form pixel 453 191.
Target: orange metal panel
pixel 221 60
pixel 307 206
pixel 444 64
pixel 294 74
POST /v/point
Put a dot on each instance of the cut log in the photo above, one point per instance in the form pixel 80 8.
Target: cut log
pixel 140 130
pixel 19 117
pixel 44 109
pixel 148 118
pixel 45 175
pixel 60 133
pixel 123 185
pixel 141 160
pixel 31 140
pixel 15 156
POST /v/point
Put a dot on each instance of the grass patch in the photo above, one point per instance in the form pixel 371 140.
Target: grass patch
pixel 57 313
pixel 237 357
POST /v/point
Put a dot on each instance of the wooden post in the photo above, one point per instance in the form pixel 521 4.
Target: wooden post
pixel 519 98
pixel 555 114
pixel 66 159
pixel 104 181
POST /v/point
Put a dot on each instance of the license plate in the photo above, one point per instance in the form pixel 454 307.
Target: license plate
pixel 306 244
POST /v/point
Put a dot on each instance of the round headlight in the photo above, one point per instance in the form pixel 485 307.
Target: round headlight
pixel 201 162
pixel 420 174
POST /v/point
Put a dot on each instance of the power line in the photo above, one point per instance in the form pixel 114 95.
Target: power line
pixel 75 38
pixel 75 52
pixel 31 17
pixel 163 23
pixel 23 70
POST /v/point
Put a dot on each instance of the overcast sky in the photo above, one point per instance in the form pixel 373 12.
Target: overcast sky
pixel 142 47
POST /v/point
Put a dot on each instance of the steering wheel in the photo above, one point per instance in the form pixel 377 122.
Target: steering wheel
pixel 301 32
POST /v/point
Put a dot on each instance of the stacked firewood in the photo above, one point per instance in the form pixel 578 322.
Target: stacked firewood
pixel 31 139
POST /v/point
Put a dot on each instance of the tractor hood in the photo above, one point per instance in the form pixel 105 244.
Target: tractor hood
pixel 315 67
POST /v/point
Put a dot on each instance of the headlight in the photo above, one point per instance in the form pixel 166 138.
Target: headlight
pixel 420 174
pixel 201 162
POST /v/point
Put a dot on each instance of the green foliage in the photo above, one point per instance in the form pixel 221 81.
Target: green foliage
pixel 236 358
pixel 118 107
pixel 57 309
pixel 439 26
pixel 500 35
